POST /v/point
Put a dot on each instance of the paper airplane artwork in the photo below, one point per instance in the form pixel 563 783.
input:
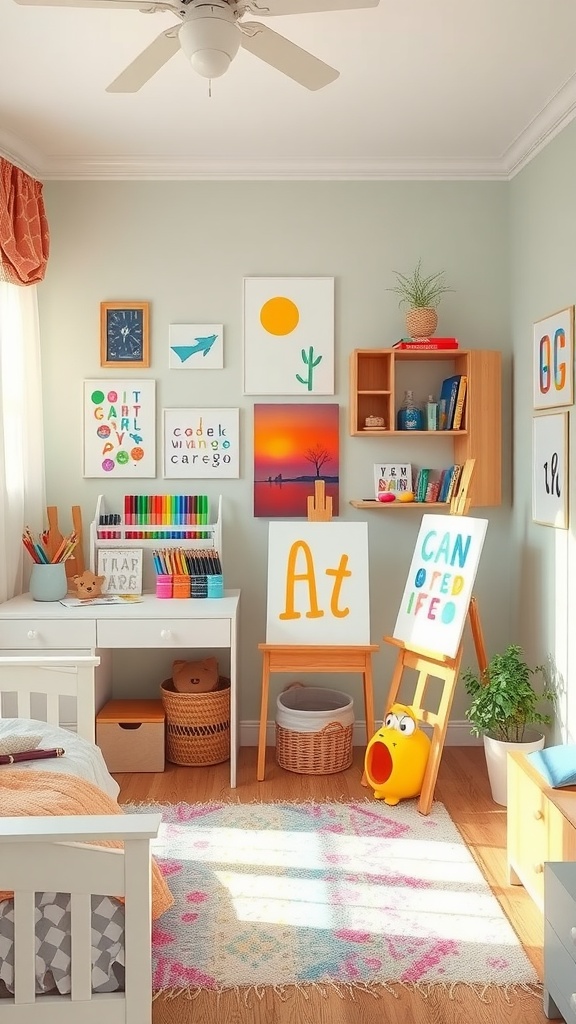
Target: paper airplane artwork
pixel 196 347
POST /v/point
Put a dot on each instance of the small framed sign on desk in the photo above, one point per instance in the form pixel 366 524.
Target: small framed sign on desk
pixel 125 334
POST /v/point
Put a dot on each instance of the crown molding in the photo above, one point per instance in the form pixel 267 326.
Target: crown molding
pixel 144 168
pixel 20 153
pixel 554 116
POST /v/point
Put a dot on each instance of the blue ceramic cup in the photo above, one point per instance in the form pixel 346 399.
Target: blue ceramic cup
pixel 48 581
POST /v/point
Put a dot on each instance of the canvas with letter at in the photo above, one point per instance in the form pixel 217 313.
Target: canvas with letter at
pixel 318 586
pixel 437 593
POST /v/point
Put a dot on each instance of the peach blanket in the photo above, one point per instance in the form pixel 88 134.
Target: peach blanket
pixel 36 793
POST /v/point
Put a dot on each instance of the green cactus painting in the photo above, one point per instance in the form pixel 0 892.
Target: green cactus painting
pixel 311 363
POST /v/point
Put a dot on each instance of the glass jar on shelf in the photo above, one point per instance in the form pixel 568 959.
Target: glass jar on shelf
pixel 410 416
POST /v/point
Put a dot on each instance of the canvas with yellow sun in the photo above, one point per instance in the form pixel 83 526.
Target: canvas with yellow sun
pixel 289 336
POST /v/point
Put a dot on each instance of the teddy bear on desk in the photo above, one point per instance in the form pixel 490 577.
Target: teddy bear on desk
pixel 88 586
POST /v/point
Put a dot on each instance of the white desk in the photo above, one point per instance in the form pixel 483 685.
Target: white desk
pixel 49 627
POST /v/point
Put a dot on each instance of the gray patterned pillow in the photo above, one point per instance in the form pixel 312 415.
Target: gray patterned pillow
pixel 17 744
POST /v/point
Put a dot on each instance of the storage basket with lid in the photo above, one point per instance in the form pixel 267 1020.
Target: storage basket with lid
pixel 314 730
pixel 197 724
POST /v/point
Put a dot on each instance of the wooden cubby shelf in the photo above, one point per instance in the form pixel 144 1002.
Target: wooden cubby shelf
pixel 378 379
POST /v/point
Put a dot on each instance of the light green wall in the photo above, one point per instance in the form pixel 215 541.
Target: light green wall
pixel 186 247
pixel 543 279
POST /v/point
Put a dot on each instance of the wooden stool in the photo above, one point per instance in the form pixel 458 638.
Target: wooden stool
pixel 295 658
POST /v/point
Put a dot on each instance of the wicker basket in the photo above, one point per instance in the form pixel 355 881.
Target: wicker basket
pixel 197 724
pixel 315 753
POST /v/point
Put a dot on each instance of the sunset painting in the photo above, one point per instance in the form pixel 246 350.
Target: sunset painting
pixel 294 445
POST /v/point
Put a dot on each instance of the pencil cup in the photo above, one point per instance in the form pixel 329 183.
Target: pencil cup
pixel 198 586
pixel 48 581
pixel 215 586
pixel 181 586
pixel 163 586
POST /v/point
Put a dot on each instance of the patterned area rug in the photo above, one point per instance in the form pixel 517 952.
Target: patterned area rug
pixel 356 894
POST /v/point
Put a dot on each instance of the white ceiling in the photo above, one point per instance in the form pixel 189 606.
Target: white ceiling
pixel 427 89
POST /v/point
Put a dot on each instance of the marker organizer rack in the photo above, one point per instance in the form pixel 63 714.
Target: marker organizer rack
pixel 109 529
pixel 182 573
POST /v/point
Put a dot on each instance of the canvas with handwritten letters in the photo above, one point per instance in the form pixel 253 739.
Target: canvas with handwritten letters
pixel 318 587
pixel 437 594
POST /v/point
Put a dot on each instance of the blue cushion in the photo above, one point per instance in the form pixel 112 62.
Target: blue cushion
pixel 556 764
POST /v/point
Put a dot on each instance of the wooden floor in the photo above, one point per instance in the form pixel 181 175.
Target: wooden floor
pixel 463 789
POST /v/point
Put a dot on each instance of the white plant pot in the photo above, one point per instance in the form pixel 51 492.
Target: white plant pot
pixel 497 761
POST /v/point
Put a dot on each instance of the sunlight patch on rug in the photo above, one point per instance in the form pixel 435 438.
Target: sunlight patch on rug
pixel 284 894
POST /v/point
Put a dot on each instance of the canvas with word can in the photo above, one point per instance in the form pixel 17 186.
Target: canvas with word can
pixel 318 586
pixel 437 594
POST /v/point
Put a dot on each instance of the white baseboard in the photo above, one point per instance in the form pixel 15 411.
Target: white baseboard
pixel 458 734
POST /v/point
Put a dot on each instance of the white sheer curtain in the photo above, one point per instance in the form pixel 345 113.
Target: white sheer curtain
pixel 22 491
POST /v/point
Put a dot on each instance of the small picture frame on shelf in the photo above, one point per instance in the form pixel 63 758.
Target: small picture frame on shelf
pixel 125 335
pixel 122 569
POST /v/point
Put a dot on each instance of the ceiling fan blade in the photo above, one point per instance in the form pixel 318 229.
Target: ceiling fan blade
pixel 285 56
pixel 271 8
pixel 137 5
pixel 148 62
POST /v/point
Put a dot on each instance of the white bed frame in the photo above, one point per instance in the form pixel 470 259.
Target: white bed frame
pixel 50 855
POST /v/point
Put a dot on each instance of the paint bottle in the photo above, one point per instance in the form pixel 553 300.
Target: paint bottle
pixel 431 414
pixel 409 414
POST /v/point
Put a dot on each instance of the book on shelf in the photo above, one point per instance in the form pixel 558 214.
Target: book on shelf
pixel 458 417
pixel 395 478
pixel 447 403
pixel 421 485
pixel 426 344
pixel 454 481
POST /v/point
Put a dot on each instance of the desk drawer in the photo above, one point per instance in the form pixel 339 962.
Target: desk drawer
pixel 559 975
pixel 164 633
pixel 47 634
pixel 560 905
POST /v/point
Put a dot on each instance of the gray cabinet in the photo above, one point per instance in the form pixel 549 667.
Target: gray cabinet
pixel 560 941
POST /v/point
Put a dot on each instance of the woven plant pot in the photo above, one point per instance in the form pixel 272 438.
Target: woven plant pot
pixel 421 322
pixel 315 753
pixel 197 724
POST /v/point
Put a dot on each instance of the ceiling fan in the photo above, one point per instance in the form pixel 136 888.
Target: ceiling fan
pixel 211 32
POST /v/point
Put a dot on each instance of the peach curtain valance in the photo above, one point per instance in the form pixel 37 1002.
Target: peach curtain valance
pixel 24 235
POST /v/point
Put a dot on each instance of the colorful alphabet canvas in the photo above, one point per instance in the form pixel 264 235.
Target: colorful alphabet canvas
pixel 195 347
pixel 119 428
pixel 318 586
pixel 553 360
pixel 289 336
pixel 437 594
pixel 294 445
pixel 201 443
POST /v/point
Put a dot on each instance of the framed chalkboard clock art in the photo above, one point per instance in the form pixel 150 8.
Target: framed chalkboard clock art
pixel 125 334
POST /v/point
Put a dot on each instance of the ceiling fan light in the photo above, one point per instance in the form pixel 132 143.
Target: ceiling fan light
pixel 210 44
pixel 210 63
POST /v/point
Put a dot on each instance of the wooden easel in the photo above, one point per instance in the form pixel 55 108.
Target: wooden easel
pixel 321 658
pixel 439 666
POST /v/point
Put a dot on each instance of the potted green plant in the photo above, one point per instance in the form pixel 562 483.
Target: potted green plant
pixel 504 706
pixel 422 296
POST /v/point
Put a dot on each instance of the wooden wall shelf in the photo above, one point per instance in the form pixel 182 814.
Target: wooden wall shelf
pixel 389 505
pixel 377 379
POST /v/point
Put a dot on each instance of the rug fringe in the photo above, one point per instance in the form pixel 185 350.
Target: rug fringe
pixel 376 989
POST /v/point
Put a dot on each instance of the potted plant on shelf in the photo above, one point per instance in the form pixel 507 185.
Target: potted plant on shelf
pixel 422 296
pixel 504 707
